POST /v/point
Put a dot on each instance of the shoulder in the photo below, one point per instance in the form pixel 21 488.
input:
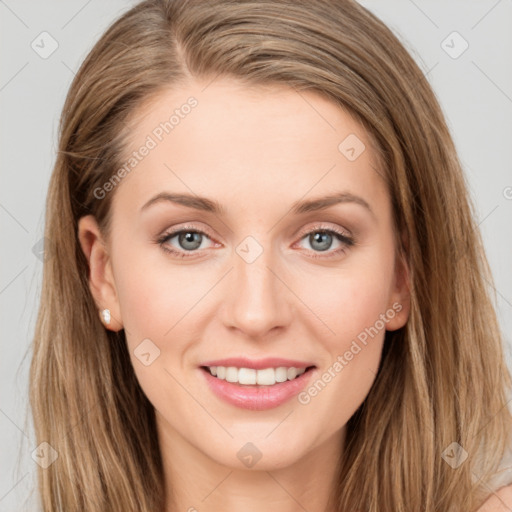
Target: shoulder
pixel 499 501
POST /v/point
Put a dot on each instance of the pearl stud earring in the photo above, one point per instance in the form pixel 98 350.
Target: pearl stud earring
pixel 106 316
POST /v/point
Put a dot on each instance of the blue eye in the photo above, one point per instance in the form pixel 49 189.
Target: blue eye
pixel 190 240
pixel 321 240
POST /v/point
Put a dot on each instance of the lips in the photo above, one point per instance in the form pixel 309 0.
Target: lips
pixel 257 398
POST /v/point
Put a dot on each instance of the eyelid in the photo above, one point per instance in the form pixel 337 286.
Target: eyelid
pixel 187 227
pixel 325 227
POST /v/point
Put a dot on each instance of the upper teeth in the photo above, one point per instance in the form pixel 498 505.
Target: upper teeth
pixel 265 377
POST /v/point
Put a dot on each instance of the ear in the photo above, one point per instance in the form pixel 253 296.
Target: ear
pixel 400 298
pixel 101 278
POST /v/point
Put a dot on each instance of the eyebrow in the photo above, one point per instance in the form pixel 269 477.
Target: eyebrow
pixel 190 201
pixel 299 207
pixel 325 202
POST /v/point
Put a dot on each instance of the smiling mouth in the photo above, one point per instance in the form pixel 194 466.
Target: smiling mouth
pixel 256 378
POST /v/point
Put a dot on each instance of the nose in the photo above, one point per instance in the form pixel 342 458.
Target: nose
pixel 257 297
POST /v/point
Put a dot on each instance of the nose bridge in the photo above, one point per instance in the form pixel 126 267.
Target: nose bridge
pixel 258 299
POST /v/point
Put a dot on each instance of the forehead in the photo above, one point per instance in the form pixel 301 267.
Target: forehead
pixel 222 137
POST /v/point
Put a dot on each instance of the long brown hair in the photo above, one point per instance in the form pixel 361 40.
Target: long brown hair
pixel 442 378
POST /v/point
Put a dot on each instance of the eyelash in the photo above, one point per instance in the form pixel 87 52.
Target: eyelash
pixel 347 240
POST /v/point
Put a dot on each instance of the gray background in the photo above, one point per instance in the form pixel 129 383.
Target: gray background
pixel 474 89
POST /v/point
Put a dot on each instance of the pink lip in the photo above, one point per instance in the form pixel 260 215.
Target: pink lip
pixel 268 362
pixel 256 398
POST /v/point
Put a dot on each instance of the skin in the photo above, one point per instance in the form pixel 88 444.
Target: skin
pixel 255 151
pixel 499 501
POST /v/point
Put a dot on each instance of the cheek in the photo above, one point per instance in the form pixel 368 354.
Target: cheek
pixel 355 349
pixel 351 304
pixel 154 301
pixel 153 296
pixel 354 309
pixel 162 305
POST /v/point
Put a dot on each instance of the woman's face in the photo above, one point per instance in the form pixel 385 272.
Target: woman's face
pixel 276 271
